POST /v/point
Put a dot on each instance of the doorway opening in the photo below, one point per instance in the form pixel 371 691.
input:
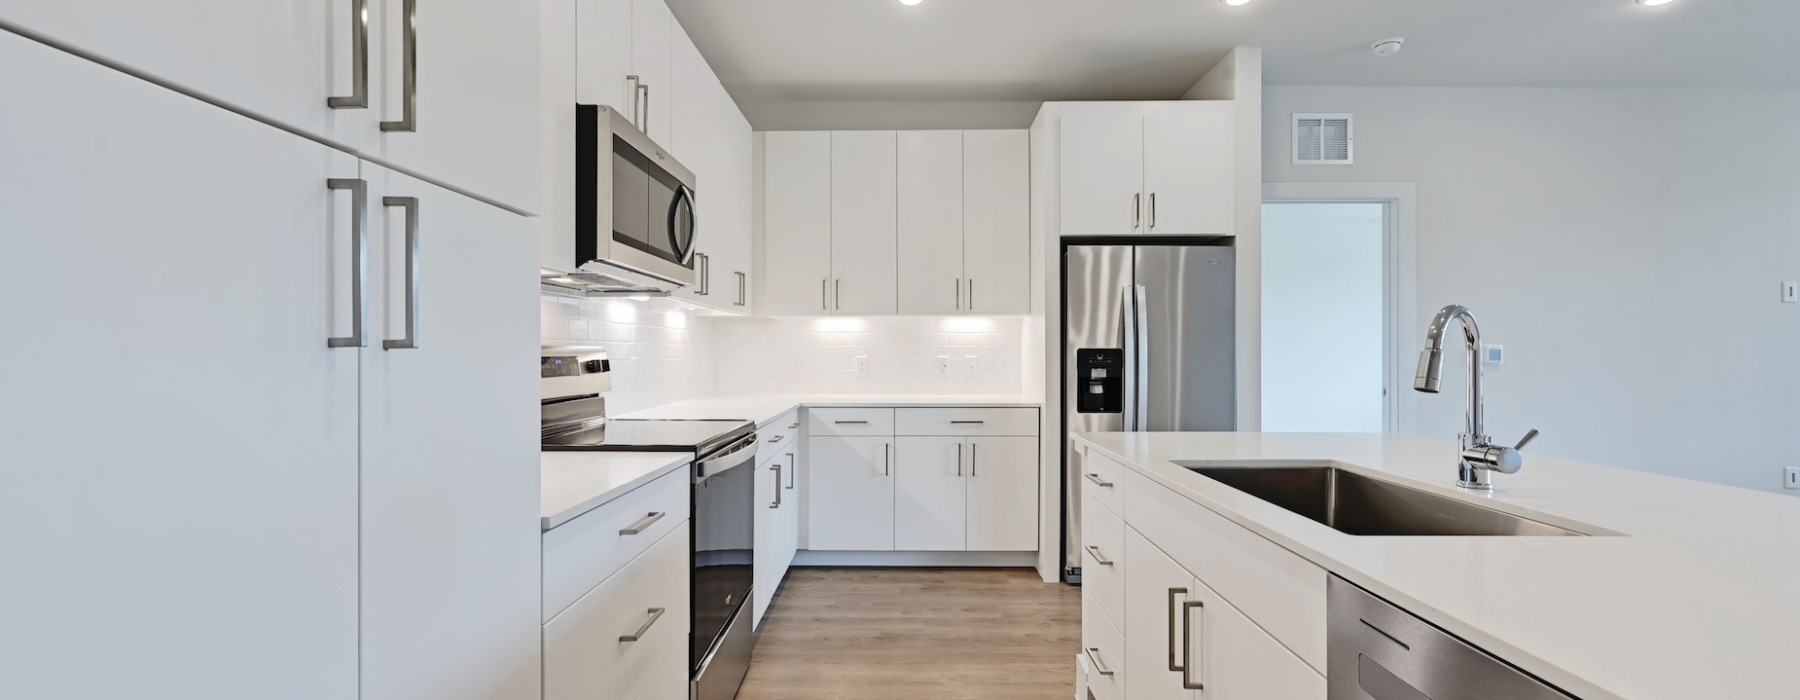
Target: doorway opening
pixel 1335 308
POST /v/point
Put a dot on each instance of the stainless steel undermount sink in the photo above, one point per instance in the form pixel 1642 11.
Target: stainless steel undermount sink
pixel 1361 505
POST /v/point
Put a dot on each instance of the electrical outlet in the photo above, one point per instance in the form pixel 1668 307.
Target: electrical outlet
pixel 943 364
pixel 969 364
pixel 1790 292
pixel 1790 478
pixel 862 364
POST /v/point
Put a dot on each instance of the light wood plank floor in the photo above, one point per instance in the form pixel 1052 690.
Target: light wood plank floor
pixel 917 634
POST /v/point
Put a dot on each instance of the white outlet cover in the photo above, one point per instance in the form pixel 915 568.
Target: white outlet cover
pixel 862 364
pixel 943 364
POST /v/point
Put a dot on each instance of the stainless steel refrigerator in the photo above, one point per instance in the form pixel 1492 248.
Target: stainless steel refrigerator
pixel 1149 344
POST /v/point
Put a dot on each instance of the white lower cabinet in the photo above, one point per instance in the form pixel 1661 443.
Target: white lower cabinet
pixel 777 508
pixel 1003 493
pixel 850 493
pixel 931 494
pixel 617 641
pixel 1187 643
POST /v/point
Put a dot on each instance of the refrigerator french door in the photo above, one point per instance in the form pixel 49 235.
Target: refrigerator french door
pixel 1149 344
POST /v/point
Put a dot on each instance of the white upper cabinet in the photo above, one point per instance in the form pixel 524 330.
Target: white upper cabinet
pixel 931 222
pixel 796 276
pixel 996 258
pixel 603 55
pixel 188 551
pixel 1102 173
pixel 652 61
pixel 1188 175
pixel 712 138
pixel 864 235
pixel 464 110
pixel 1147 167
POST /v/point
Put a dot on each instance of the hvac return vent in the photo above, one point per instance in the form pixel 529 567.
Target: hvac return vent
pixel 1323 139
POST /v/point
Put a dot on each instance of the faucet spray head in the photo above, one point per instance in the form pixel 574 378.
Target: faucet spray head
pixel 1431 370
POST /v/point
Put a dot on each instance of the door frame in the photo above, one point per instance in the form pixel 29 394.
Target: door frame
pixel 1400 264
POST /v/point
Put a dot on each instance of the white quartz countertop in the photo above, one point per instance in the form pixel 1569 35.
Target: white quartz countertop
pixel 1698 596
pixel 766 408
pixel 577 482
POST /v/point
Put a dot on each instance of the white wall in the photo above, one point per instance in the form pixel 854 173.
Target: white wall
pixel 1625 245
pixel 658 351
pixel 1323 317
pixel 816 115
pixel 818 355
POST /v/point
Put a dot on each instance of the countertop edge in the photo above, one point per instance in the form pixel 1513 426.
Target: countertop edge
pixel 551 522
pixel 1512 654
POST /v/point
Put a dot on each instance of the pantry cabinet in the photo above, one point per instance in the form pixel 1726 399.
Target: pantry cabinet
pixel 1146 168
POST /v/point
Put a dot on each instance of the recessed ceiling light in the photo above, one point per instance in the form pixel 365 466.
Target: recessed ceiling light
pixel 1654 3
pixel 1235 3
pixel 911 2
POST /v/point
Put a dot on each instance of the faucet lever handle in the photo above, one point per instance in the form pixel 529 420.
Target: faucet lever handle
pixel 1527 439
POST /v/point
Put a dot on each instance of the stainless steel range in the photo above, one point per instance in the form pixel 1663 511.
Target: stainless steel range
pixel 723 528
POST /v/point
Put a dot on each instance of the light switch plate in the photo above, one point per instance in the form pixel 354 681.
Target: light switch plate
pixel 1790 292
pixel 1790 478
pixel 1493 354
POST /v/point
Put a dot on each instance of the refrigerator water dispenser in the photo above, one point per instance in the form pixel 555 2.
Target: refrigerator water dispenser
pixel 1100 374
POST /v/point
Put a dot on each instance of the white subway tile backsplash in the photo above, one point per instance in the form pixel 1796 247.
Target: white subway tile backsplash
pixel 817 355
pixel 658 353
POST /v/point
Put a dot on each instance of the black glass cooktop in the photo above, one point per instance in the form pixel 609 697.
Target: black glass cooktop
pixel 652 436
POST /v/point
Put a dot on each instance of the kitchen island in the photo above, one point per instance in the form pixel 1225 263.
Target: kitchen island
pixel 1683 589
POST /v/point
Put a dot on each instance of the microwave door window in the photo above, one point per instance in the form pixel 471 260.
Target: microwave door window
pixel 631 196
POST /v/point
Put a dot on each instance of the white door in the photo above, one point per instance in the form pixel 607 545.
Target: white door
pixel 1189 175
pixel 603 55
pixel 1156 588
pixel 450 543
pixel 997 222
pixel 651 56
pixel 796 223
pixel 731 230
pixel 930 206
pixel 1102 173
pixel 470 117
pixel 281 59
pixel 864 237
pixel 1324 285
pixel 930 494
pixel 850 494
pixel 769 478
pixel 178 503
pixel 1003 494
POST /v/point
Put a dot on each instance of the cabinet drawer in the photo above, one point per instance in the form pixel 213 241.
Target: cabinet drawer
pixel 586 653
pixel 1103 540
pixel 584 551
pixel 1282 592
pixel 778 437
pixel 1104 648
pixel 1104 479
pixel 851 421
pixel 966 421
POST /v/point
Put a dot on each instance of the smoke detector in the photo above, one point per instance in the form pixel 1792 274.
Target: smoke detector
pixel 1388 47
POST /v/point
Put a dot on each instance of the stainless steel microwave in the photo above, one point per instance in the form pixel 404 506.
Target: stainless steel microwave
pixel 634 205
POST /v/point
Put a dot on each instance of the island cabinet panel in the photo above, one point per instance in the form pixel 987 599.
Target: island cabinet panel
pixel 1282 592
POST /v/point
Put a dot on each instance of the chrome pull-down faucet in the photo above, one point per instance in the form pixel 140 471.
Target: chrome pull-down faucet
pixel 1479 456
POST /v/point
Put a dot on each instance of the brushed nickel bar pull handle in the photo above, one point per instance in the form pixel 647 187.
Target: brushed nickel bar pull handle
pixel 825 294
pixel 655 614
pixel 635 94
pixel 777 470
pixel 743 289
pixel 1187 644
pixel 837 294
pixel 411 207
pixel 850 422
pixel 1137 211
pixel 409 72
pixel 1102 483
pixel 642 524
pixel 1099 558
pixel 1152 211
pixel 705 274
pixel 776 439
pixel 971 294
pixel 887 460
pixel 972 447
pixel 959 292
pixel 359 60
pixel 359 257
pixel 1094 658
pixel 1174 665
pixel 967 422
pixel 959 458
pixel 645 89
pixel 791 469
pixel 794 425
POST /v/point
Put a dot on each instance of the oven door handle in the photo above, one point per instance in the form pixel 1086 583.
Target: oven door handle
pixel 739 454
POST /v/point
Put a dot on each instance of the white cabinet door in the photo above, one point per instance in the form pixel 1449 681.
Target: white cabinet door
pixel 931 222
pixel 450 539
pixel 695 142
pixel 603 55
pixel 1102 173
pixel 1189 179
pixel 1155 589
pixel 734 188
pixel 689 123
pixel 777 524
pixel 796 223
pixel 997 223
pixel 281 59
pixel 1236 660
pixel 470 117
pixel 1003 494
pixel 651 60
pixel 850 494
pixel 930 497
pixel 864 238
pixel 188 551
pixel 584 655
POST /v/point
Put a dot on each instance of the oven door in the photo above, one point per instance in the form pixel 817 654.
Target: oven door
pixel 724 532
pixel 636 202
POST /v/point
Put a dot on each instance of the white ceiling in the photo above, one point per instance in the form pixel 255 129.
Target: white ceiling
pixel 981 50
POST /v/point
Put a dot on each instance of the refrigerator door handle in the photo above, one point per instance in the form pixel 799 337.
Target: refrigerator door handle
pixel 1128 340
pixel 1140 375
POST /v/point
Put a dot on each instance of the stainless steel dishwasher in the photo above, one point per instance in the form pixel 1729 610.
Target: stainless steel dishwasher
pixel 1380 652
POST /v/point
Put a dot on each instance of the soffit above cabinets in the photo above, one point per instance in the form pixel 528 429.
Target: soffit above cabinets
pixel 985 50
